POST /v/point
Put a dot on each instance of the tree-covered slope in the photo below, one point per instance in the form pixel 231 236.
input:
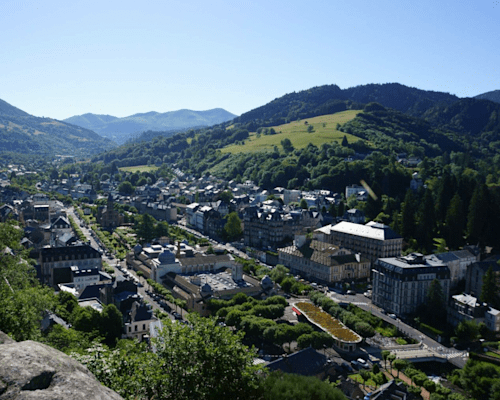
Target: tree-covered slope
pixel 328 99
pixel 46 136
pixel 494 95
pixel 7 109
pixel 90 121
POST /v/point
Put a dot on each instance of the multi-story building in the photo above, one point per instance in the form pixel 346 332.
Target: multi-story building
pixel 272 226
pixel 324 262
pixel 400 284
pixel 475 275
pixel 372 241
pixel 457 262
pixel 464 307
pixel 56 262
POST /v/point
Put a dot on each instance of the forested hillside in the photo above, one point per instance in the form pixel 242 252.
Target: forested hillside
pixel 26 134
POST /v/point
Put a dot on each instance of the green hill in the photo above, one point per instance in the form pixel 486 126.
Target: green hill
pixel 315 131
pixel 26 134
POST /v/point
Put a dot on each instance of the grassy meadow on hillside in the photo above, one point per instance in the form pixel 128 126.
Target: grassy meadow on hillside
pixel 324 131
pixel 139 168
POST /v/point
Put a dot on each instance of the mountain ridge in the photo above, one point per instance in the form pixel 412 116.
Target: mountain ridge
pixel 123 129
pixel 21 132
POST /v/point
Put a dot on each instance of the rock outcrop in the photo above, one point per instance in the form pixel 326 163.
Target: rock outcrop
pixel 32 370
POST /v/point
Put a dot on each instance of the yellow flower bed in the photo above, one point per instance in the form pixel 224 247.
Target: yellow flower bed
pixel 329 324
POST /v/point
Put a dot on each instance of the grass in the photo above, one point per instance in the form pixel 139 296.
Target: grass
pixel 325 131
pixel 139 168
pixel 492 354
pixel 388 331
pixel 357 378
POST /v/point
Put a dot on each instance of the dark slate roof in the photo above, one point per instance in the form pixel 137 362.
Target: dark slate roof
pixel 74 252
pixel 306 362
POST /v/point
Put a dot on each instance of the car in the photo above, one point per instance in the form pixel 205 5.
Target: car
pixel 176 315
pixel 355 364
pixel 393 316
pixel 363 363
pixel 347 367
pixel 383 312
pixel 351 292
pixel 367 294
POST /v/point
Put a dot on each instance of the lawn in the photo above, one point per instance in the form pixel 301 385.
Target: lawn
pixel 139 168
pixel 357 378
pixel 324 131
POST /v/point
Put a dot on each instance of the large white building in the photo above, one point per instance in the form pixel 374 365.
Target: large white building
pixel 372 241
pixel 400 284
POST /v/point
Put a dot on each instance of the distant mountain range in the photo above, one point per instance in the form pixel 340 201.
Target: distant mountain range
pixel 21 132
pixel 122 129
pixel 492 96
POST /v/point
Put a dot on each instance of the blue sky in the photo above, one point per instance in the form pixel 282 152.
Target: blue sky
pixel 65 58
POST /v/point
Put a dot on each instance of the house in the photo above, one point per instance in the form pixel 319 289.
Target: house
pixel 372 240
pixel 307 362
pixel 355 216
pixel 139 319
pixel 389 391
pixel 400 284
pixel 322 261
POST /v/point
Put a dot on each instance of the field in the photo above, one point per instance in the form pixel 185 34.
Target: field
pixel 324 131
pixel 139 168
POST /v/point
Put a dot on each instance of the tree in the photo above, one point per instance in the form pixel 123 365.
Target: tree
pixel 436 310
pixel 365 375
pixel 400 364
pixel 454 223
pixel 408 211
pixel 310 128
pixel 203 361
pixel 467 331
pixel 281 386
pixel 287 145
pixel 111 324
pixel 126 188
pixel 145 228
pixel 385 356
pixel 226 196
pixel 477 218
pixel 303 204
pixel 489 288
pixel 344 141
pixel 391 357
pixel 232 228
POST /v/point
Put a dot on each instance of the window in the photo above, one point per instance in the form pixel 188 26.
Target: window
pixel 135 328
pixel 143 327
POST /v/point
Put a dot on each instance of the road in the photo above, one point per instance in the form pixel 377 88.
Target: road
pixel 456 357
pixel 120 267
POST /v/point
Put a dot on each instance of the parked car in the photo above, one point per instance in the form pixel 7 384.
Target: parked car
pixel 351 292
pixel 355 364
pixel 363 363
pixel 347 367
pixel 393 316
pixel 176 315
pixel 367 294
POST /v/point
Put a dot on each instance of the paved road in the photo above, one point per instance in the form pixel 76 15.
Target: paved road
pixel 120 268
pixel 458 358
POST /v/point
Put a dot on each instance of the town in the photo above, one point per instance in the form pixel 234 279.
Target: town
pixel 204 245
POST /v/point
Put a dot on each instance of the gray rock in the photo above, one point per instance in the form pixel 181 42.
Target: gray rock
pixel 31 370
